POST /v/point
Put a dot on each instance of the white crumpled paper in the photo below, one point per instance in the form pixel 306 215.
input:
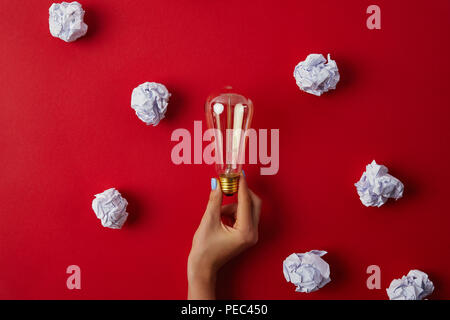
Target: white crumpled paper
pixel 110 208
pixel 150 100
pixel 308 271
pixel 376 186
pixel 66 21
pixel 315 76
pixel 414 286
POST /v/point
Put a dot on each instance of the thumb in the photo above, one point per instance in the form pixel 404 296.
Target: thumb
pixel 244 217
pixel 215 199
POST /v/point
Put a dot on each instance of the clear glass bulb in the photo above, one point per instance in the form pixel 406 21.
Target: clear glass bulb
pixel 230 115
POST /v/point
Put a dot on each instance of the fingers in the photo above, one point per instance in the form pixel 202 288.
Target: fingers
pixel 244 214
pixel 246 211
pixel 215 202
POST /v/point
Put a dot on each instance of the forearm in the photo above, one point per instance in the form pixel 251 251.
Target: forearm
pixel 201 283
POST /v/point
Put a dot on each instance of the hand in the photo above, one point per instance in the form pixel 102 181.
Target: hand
pixel 215 243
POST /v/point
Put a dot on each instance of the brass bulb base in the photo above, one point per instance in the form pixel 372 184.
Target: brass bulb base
pixel 229 184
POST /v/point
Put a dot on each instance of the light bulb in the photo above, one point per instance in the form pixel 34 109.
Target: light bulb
pixel 230 115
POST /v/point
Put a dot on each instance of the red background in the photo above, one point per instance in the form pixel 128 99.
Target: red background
pixel 67 132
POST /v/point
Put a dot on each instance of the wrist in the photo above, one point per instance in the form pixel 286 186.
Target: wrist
pixel 203 278
pixel 200 270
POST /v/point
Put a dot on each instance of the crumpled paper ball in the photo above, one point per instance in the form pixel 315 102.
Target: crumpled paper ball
pixel 66 21
pixel 150 100
pixel 110 208
pixel 376 186
pixel 308 271
pixel 315 76
pixel 414 286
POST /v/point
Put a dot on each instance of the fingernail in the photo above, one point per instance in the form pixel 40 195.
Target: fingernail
pixel 213 184
pixel 243 173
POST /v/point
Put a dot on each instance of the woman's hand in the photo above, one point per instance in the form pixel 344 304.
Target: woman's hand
pixel 215 243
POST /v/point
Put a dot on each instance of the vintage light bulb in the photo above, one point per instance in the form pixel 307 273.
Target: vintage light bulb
pixel 230 115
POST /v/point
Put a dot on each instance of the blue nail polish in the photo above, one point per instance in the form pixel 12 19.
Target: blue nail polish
pixel 243 173
pixel 213 184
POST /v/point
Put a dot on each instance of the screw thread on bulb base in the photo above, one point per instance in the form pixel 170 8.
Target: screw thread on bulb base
pixel 229 184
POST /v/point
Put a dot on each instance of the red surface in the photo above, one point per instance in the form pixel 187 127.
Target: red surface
pixel 67 132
